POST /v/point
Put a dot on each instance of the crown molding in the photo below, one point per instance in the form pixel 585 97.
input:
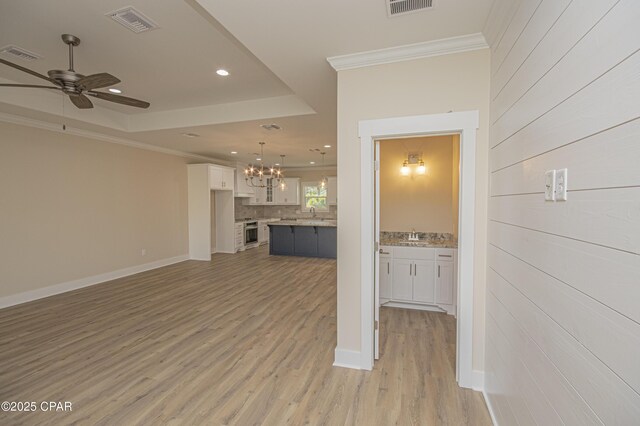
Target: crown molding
pixel 409 52
pixel 54 127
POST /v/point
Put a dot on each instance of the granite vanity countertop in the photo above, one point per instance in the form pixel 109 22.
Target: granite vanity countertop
pixel 422 243
pixel 306 222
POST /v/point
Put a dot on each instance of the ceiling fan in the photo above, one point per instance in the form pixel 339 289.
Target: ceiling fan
pixel 75 85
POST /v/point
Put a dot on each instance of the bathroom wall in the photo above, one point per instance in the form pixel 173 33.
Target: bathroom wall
pixel 426 203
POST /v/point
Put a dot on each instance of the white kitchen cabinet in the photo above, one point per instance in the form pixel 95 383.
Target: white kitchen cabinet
pixel 385 274
pixel 269 192
pixel 202 218
pixel 402 288
pixel 444 283
pixel 413 280
pixel 241 187
pixel 263 232
pixel 239 236
pixel 418 277
pixel 332 191
pixel 424 285
pixel 291 195
pixel 257 199
pixel 221 178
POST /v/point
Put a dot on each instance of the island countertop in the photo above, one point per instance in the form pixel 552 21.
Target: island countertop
pixel 305 222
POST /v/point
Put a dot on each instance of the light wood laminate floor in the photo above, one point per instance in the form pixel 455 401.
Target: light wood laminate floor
pixel 244 339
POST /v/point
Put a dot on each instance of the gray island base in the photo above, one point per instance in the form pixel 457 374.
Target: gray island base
pixel 303 238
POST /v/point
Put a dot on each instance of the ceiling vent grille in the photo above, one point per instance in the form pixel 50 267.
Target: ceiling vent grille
pixel 133 19
pixel 401 7
pixel 20 53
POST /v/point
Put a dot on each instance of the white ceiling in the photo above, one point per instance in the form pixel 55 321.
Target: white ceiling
pixel 275 51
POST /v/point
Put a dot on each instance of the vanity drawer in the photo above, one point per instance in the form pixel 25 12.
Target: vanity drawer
pixel 414 253
pixel 386 251
pixel 445 255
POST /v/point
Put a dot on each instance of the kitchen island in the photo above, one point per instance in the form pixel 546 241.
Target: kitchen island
pixel 302 237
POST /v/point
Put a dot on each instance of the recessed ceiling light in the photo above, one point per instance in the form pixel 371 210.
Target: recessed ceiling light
pixel 190 135
pixel 327 146
pixel 234 152
pixel 222 72
pixel 312 162
pixel 114 90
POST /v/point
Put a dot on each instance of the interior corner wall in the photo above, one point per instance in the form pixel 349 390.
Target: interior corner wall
pixel 563 280
pixel 73 207
pixel 458 82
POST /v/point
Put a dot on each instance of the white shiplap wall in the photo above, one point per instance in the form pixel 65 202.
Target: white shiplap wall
pixel 563 284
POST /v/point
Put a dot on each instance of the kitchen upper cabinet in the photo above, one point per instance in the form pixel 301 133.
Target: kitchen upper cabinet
pixel 241 186
pixel 291 194
pixel 273 195
pixel 221 178
pixel 332 191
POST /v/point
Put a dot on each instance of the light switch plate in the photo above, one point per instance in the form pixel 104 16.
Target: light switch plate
pixel 561 185
pixel 550 185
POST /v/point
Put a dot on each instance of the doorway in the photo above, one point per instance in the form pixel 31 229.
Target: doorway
pixel 465 124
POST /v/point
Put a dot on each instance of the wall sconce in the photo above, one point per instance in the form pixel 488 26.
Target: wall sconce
pixel 413 158
pixel 405 170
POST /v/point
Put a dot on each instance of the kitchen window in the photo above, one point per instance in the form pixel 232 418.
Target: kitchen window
pixel 313 195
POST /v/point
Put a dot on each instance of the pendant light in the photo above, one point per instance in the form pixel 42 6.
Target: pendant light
pixel 323 180
pixel 282 183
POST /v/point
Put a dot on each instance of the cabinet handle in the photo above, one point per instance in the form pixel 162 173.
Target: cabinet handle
pixel 438 271
pixel 444 255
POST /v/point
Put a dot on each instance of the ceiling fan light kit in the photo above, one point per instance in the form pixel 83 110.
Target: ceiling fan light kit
pixel 76 85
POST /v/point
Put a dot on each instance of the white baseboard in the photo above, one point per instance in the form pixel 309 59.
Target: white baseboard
pixel 419 307
pixel 347 359
pixel 487 401
pixel 477 380
pixel 28 296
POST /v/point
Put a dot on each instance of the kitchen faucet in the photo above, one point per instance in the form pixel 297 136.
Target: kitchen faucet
pixel 313 212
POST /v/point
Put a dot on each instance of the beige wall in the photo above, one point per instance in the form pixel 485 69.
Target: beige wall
pixel 421 202
pixel 72 207
pixel 458 82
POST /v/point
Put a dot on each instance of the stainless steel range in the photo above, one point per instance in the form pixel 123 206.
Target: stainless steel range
pixel 251 233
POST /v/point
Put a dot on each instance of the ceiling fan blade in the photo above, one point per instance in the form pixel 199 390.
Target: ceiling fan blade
pixel 96 81
pixel 28 71
pixel 81 101
pixel 30 85
pixel 120 99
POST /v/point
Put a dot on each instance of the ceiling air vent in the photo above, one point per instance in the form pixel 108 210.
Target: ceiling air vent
pixel 20 53
pixel 133 19
pixel 401 7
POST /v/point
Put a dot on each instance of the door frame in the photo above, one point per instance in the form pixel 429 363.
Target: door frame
pixel 466 124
